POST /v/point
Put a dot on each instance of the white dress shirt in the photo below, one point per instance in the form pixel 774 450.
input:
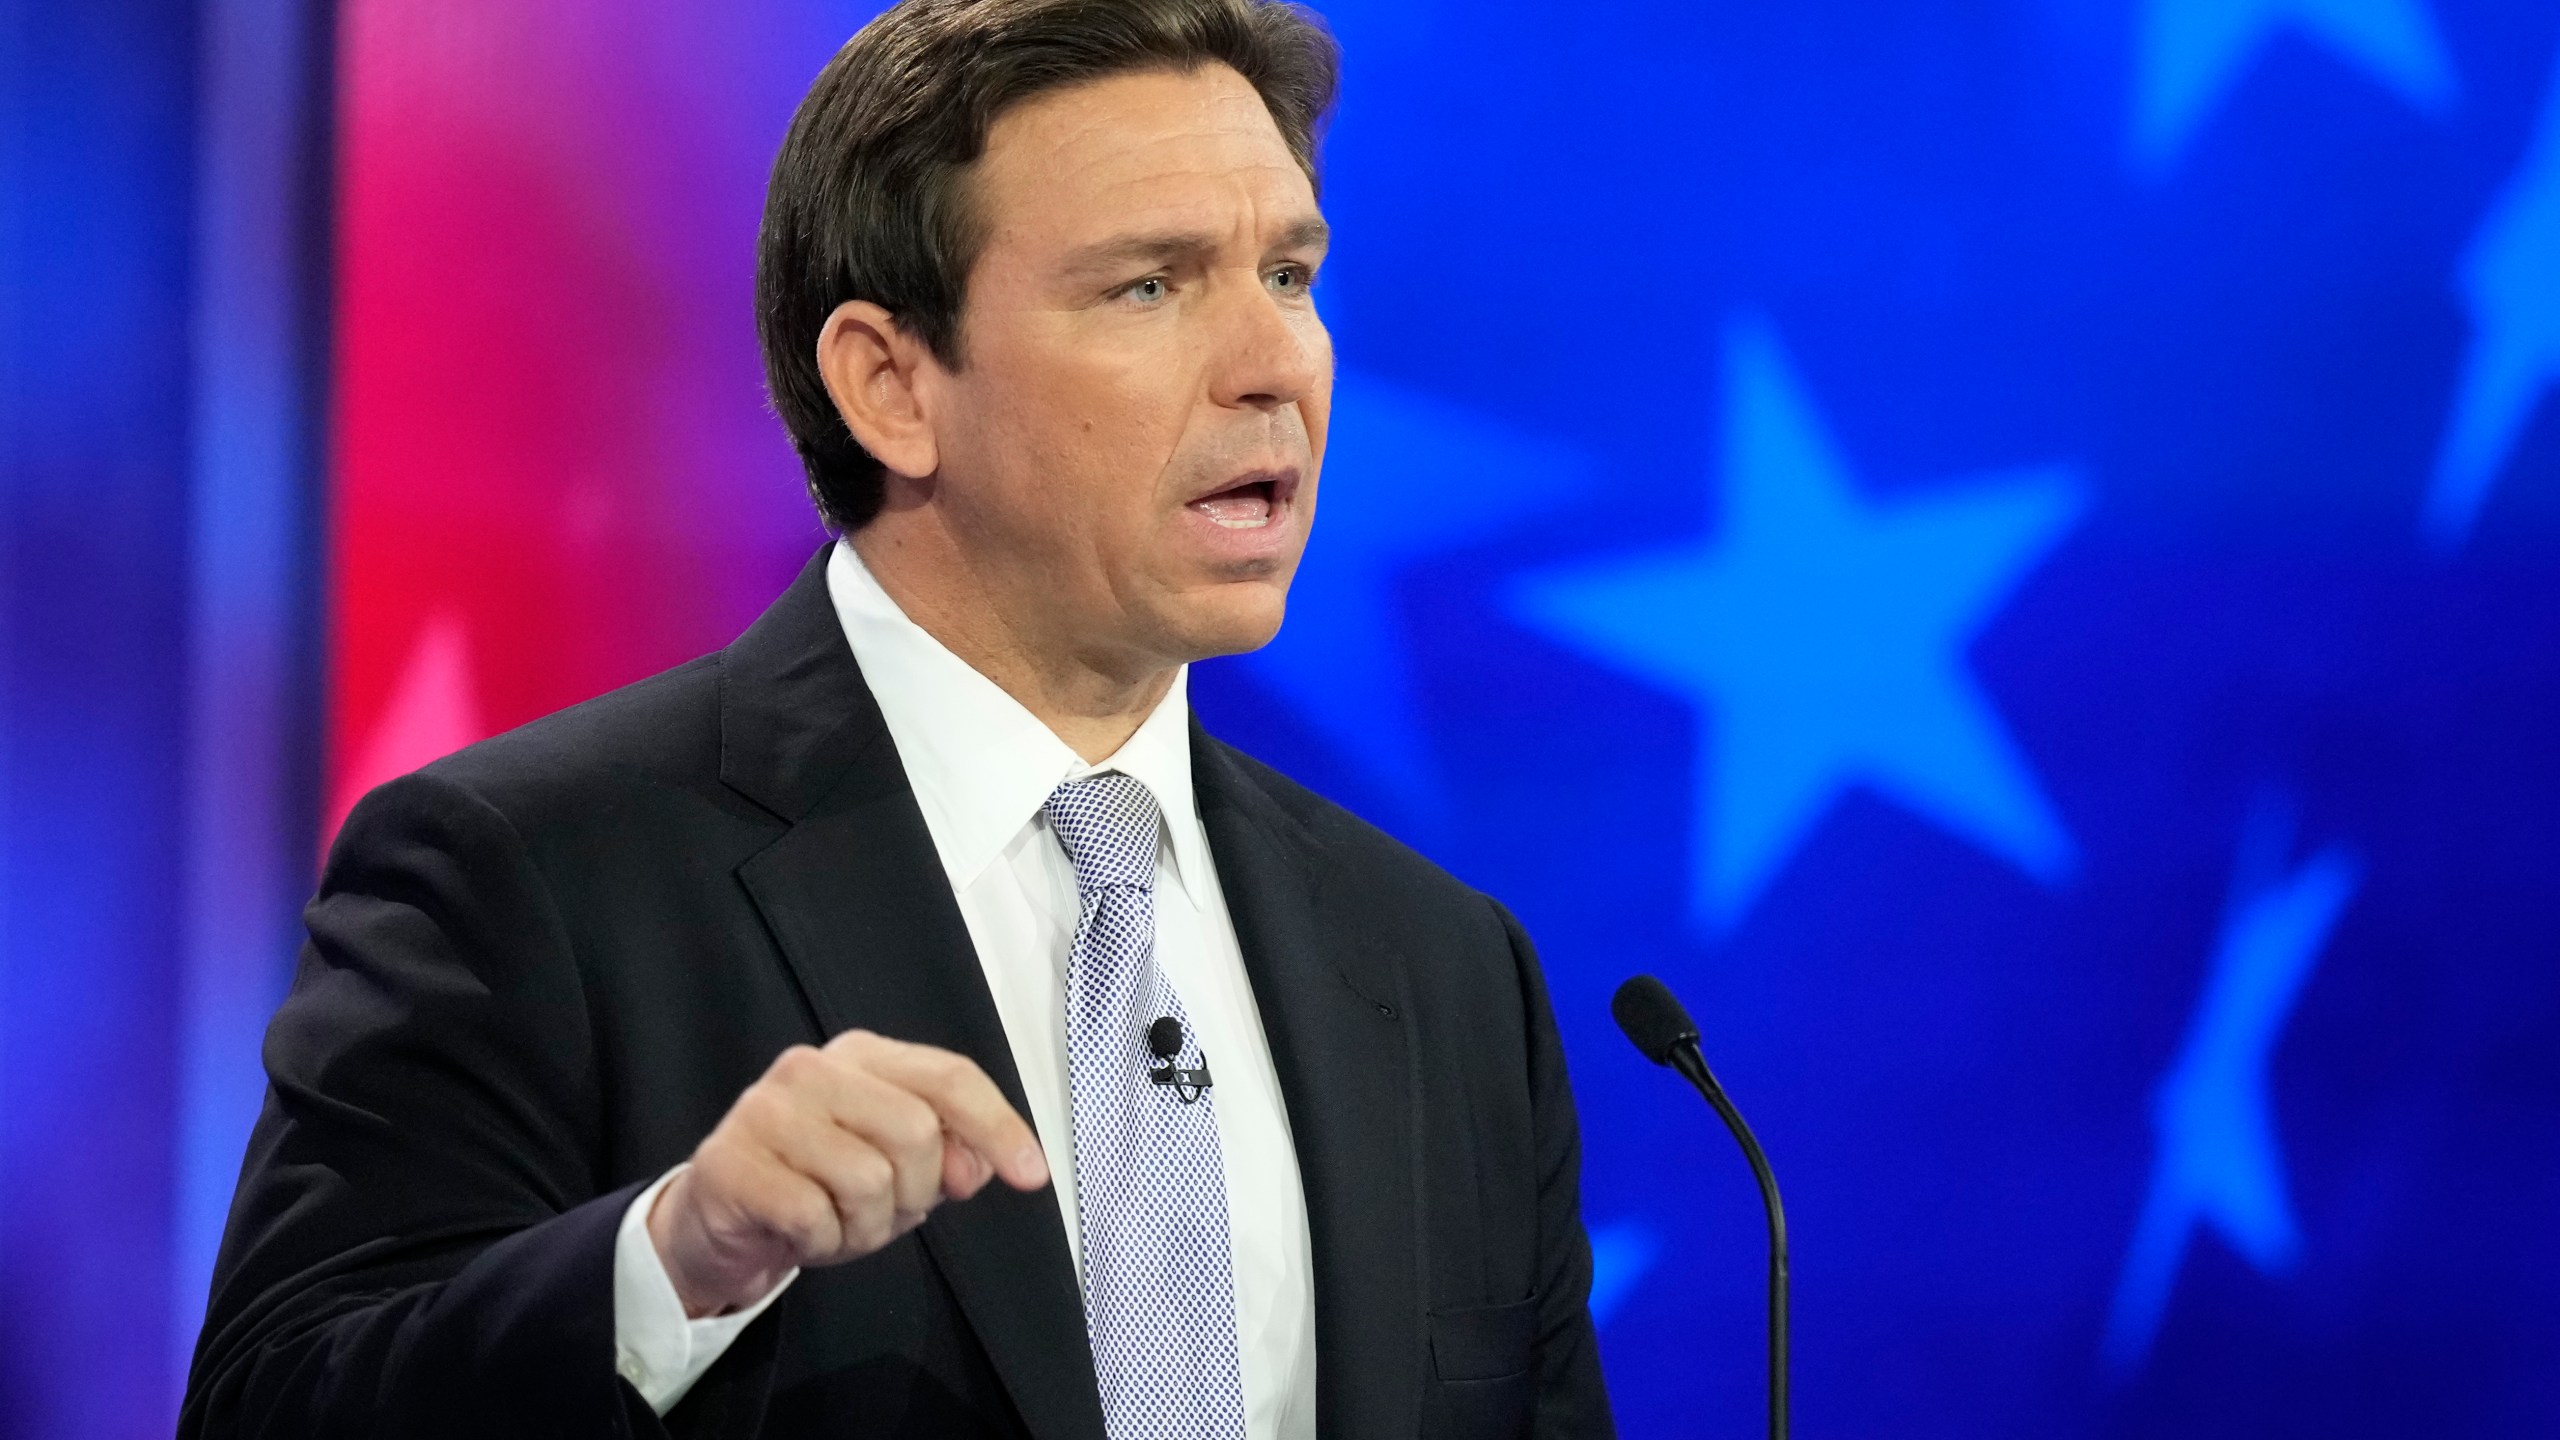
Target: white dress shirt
pixel 981 765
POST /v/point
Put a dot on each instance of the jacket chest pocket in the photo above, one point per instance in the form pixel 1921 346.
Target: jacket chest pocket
pixel 1484 1359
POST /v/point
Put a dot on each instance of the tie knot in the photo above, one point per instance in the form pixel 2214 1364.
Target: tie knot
pixel 1108 824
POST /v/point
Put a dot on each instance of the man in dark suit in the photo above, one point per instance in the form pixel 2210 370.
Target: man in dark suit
pixel 665 1064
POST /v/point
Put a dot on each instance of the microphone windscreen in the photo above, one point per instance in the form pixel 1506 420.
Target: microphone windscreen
pixel 1652 1017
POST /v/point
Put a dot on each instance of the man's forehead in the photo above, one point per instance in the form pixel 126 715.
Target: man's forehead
pixel 1147 147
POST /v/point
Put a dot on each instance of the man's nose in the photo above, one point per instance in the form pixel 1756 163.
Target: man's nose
pixel 1268 355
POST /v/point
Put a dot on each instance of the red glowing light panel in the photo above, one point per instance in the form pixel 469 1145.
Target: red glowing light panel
pixel 553 468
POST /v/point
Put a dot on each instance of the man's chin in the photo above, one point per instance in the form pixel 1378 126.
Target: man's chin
pixel 1232 618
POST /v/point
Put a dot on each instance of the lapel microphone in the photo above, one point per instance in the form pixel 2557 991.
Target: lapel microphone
pixel 1660 1027
pixel 1164 1040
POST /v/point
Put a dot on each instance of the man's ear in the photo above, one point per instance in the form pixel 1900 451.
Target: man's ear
pixel 871 366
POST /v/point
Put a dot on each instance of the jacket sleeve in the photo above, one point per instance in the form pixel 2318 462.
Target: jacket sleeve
pixel 1572 1401
pixel 418 1245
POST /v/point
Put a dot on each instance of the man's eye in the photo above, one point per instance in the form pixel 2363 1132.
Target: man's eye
pixel 1150 289
pixel 1289 279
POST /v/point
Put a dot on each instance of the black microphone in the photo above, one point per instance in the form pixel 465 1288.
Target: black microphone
pixel 1164 1041
pixel 1653 1018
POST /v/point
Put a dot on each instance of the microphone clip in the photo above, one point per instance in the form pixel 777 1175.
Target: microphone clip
pixel 1164 1040
pixel 1188 1085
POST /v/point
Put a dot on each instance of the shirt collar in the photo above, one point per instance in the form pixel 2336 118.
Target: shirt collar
pixel 980 764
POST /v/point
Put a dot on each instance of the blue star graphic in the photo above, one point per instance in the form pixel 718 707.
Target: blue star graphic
pixel 2194 51
pixel 1825 636
pixel 2511 284
pixel 1405 478
pixel 2217 1163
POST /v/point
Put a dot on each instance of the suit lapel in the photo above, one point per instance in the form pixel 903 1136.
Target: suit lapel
pixel 864 915
pixel 1338 1041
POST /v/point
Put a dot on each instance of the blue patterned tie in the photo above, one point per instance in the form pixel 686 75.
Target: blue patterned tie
pixel 1151 1195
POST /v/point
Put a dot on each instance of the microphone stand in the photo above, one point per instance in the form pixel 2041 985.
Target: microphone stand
pixel 1691 1062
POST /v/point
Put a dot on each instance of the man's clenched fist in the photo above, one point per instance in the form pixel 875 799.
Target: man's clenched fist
pixel 833 1154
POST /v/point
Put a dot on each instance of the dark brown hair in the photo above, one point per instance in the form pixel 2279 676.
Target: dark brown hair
pixel 869 198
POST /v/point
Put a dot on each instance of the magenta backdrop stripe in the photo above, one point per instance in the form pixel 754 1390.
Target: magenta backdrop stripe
pixel 555 471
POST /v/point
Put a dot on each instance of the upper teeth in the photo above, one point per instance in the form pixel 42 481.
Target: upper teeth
pixel 1241 509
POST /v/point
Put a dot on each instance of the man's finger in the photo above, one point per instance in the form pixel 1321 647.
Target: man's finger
pixel 780 1194
pixel 973 1110
pixel 898 1123
pixel 964 1171
pixel 857 1182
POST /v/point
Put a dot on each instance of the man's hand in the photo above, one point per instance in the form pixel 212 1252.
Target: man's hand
pixel 833 1154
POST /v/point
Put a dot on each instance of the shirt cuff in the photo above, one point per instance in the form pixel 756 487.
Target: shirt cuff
pixel 655 1347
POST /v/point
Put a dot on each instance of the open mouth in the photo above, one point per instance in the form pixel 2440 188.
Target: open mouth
pixel 1249 504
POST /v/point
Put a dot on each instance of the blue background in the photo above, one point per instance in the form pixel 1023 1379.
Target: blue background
pixel 2010 550
pixel 1914 522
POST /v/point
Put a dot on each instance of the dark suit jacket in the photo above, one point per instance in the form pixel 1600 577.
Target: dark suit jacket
pixel 540 970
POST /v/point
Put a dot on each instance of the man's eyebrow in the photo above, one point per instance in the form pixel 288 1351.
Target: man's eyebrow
pixel 1168 245
pixel 1308 234
pixel 1123 249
